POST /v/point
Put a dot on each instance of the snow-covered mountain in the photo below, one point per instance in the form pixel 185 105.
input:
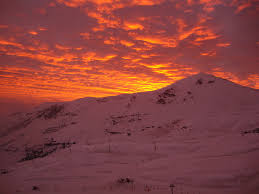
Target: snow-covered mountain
pixel 200 134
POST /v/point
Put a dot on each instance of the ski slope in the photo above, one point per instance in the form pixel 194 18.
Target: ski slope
pixel 200 134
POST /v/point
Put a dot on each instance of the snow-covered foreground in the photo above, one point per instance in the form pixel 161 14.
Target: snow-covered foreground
pixel 200 134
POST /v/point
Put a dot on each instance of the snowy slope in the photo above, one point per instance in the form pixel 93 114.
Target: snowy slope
pixel 200 134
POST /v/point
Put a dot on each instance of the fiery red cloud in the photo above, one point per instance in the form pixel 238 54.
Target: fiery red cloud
pixel 68 49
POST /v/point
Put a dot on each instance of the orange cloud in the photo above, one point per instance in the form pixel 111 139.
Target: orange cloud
pixel 223 44
pixel 42 29
pixel 85 35
pixel 209 53
pixel 164 41
pixel 127 46
pixel 112 42
pixel 209 4
pixel 132 26
pixel 103 20
pixel 200 31
pixel 60 47
pixel 205 34
pixel 106 58
pixel 92 56
pixel 98 28
pixel 185 34
pixel 126 43
pixel 33 32
pixel 11 43
pixel 146 2
pixel 242 7
pixel 72 3
pixel 181 24
pixel 156 66
pixel 251 81
pixel 148 56
pixel 63 89
pixel 78 3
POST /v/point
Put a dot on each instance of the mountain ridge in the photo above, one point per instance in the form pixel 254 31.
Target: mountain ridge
pixel 200 124
pixel 197 76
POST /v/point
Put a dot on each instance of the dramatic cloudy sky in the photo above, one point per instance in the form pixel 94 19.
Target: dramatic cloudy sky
pixel 68 49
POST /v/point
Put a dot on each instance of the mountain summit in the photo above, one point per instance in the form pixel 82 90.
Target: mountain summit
pixel 186 134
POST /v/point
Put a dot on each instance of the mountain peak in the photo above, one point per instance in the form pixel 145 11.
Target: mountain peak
pixel 202 74
pixel 196 79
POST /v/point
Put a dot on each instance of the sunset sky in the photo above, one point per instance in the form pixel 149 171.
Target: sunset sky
pixel 54 50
